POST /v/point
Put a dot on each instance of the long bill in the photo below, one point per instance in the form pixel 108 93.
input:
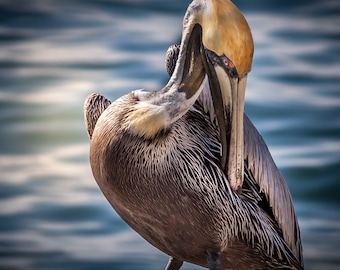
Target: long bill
pixel 228 91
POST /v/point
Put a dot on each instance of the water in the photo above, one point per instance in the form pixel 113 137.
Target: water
pixel 53 53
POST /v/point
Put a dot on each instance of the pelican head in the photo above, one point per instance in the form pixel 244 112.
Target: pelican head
pixel 227 58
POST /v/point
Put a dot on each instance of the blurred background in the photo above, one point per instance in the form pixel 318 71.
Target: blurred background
pixel 53 53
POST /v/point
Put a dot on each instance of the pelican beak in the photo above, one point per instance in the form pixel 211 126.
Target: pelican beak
pixel 227 91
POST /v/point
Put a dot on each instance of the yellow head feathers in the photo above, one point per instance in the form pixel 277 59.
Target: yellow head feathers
pixel 226 31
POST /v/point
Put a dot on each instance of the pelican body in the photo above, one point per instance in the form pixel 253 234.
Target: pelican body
pixel 199 185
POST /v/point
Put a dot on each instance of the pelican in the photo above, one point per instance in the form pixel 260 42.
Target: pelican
pixel 198 184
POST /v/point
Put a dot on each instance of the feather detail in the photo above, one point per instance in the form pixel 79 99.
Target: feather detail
pixel 260 163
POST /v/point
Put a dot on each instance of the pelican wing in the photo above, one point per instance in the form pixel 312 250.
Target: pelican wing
pixel 260 164
pixel 94 106
pixel 273 193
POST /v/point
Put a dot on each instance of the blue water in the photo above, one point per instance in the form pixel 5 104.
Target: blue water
pixel 53 53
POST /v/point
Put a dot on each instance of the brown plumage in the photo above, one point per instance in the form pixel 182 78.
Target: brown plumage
pixel 94 106
pixel 159 164
pixel 171 191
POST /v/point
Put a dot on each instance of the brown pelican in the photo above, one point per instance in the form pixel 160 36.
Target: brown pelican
pixel 197 191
